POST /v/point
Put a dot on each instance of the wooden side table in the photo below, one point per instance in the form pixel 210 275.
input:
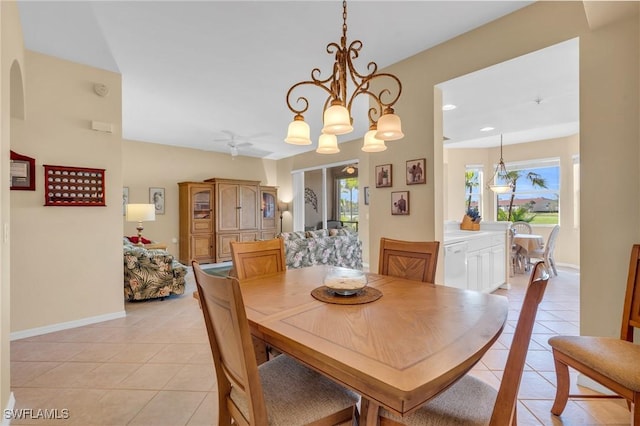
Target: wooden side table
pixel 155 246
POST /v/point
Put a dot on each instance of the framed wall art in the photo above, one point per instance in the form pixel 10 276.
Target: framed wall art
pixel 400 202
pixel 416 171
pixel 156 197
pixel 366 195
pixel 23 172
pixel 383 176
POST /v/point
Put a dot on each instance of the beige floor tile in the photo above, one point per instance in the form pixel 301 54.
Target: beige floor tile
pixel 207 412
pixel 22 350
pixel 170 408
pixel 195 377
pixel 24 372
pixel 187 353
pixel 137 352
pixel 99 352
pixel 150 376
pixel 63 376
pixel 117 407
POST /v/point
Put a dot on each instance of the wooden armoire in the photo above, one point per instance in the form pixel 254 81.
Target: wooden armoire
pixel 217 211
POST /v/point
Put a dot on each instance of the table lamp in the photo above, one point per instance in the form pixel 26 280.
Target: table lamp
pixel 141 213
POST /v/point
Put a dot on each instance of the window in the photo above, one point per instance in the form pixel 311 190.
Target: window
pixel 536 193
pixel 473 188
pixel 347 195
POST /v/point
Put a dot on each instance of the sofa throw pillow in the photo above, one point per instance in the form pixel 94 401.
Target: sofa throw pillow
pixel 134 240
pixel 318 233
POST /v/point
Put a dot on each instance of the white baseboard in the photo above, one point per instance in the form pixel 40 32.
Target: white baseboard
pixel 10 406
pixel 587 382
pixel 65 325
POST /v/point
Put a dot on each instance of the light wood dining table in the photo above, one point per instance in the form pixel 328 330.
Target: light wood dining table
pixel 397 352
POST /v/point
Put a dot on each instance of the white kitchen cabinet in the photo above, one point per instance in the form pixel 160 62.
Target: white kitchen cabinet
pixel 485 264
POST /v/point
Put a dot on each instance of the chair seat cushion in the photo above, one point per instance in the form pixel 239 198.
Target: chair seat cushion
pixel 616 359
pixel 468 402
pixel 295 394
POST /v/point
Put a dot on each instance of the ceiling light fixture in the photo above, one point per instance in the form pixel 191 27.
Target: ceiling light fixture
pixel 486 129
pixel 500 182
pixel 448 107
pixel 337 107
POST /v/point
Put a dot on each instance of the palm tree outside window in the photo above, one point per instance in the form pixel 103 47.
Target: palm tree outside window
pixel 535 196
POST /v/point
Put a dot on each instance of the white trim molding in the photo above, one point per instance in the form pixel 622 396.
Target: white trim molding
pixel 65 325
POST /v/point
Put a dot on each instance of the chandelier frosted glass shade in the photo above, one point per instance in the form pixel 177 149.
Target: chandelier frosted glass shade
pixel 298 132
pixel 337 120
pixel 389 127
pixel 371 143
pixel 327 144
pixel 500 189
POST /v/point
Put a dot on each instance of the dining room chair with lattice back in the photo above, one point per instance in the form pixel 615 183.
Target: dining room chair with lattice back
pixel 521 227
pixel 547 252
pixel 413 260
pixel 612 362
pixel 255 258
pixel 278 392
pixel 471 401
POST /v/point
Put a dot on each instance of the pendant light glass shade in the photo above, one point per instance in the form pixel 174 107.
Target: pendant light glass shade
pixel 389 127
pixel 371 143
pixel 337 120
pixel 298 132
pixel 327 144
pixel 500 182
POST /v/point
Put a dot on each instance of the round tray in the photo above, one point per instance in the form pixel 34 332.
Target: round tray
pixel 366 295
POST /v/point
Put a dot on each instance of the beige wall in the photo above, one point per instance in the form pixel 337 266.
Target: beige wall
pixel 11 89
pixel 67 262
pixel 568 245
pixel 146 165
pixel 608 133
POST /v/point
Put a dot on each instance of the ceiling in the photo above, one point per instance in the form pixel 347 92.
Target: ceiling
pixel 199 74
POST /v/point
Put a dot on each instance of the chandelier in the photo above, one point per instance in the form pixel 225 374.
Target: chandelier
pixel 500 183
pixel 337 106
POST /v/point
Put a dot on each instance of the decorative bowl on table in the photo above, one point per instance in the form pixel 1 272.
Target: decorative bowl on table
pixel 344 281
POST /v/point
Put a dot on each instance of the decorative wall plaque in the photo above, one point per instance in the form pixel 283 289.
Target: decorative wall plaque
pixel 73 186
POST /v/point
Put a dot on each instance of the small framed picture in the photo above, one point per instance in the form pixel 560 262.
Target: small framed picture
pixel 125 199
pixel 400 202
pixel 366 195
pixel 23 172
pixel 156 197
pixel 416 171
pixel 383 176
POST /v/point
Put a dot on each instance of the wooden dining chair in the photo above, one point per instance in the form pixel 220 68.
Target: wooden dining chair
pixel 255 258
pixel 612 362
pixel 413 260
pixel 471 401
pixel 547 252
pixel 521 227
pixel 279 392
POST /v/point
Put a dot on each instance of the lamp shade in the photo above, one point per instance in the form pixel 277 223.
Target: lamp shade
pixel 141 212
pixel 389 127
pixel 500 189
pixel 373 144
pixel 327 144
pixel 337 120
pixel 298 132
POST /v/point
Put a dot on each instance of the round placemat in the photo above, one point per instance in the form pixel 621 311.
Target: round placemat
pixel 366 295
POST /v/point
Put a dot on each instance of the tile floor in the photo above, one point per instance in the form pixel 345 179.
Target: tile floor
pixel 154 366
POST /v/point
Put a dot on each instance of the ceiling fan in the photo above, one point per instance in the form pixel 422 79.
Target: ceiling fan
pixel 240 145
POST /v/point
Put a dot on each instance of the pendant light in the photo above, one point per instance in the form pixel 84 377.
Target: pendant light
pixel 500 182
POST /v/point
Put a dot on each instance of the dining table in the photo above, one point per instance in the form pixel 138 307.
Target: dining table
pixel 526 244
pixel 397 351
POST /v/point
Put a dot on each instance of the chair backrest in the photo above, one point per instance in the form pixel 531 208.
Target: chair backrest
pixel 631 310
pixel 255 258
pixel 551 241
pixel 230 340
pixel 521 227
pixel 414 260
pixel 504 409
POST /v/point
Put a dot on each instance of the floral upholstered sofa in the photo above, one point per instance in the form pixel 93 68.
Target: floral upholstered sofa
pixel 337 247
pixel 150 274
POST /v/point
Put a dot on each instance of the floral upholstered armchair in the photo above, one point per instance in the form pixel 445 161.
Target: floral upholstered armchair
pixel 150 274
